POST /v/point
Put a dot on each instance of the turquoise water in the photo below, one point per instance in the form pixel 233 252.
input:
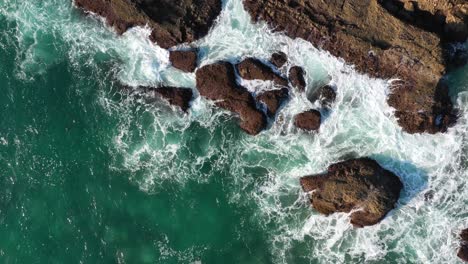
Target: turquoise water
pixel 91 173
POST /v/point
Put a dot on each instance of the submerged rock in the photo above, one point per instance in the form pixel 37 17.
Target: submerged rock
pixel 279 59
pixel 463 250
pixel 308 121
pixel 253 69
pixel 360 186
pixel 380 43
pixel 217 82
pixel 184 60
pixel 297 78
pixel 177 96
pixel 172 22
pixel 273 100
pixel 326 95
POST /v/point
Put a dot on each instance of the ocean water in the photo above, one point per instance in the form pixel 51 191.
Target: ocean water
pixel 92 173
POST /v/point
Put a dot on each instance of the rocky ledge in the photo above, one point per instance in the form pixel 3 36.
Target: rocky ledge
pixel 176 96
pixel 386 39
pixel 172 22
pixel 463 251
pixel 360 186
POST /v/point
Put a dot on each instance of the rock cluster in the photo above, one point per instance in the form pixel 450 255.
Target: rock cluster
pixel 359 186
pixel 383 44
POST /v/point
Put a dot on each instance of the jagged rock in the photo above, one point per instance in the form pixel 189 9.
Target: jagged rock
pixel 279 59
pixel 463 250
pixel 217 82
pixel 273 100
pixel 360 186
pixel 177 96
pixel 297 78
pixel 253 69
pixel 172 22
pixel 184 60
pixel 308 121
pixel 366 34
pixel 326 95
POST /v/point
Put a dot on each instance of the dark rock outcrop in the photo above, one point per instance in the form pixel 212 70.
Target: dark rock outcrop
pixel 326 95
pixel 463 250
pixel 176 96
pixel 379 43
pixel 360 186
pixel 184 60
pixel 253 69
pixel 297 78
pixel 273 100
pixel 308 121
pixel 279 59
pixel 172 22
pixel 217 82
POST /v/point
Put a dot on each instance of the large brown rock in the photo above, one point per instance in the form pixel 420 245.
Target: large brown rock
pixel 172 22
pixel 217 82
pixel 253 69
pixel 308 121
pixel 377 42
pixel 184 60
pixel 273 100
pixel 360 186
pixel 463 250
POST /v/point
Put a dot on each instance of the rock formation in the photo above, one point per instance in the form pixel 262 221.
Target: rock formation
pixel 297 78
pixel 273 100
pixel 308 121
pixel 360 186
pixel 463 250
pixel 217 82
pixel 172 22
pixel 279 59
pixel 184 60
pixel 253 69
pixel 379 42
pixel 326 95
pixel 180 97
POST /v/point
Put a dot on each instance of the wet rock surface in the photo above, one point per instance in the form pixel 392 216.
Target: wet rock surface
pixel 172 22
pixel 184 60
pixel 217 82
pixel 176 96
pixel 297 78
pixel 463 250
pixel 308 121
pixel 253 69
pixel 279 59
pixel 273 100
pixel 378 42
pixel 360 186
pixel 326 95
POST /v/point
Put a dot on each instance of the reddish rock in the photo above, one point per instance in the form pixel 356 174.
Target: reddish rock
pixel 309 120
pixel 463 250
pixel 297 78
pixel 382 44
pixel 273 100
pixel 253 69
pixel 184 60
pixel 358 185
pixel 172 22
pixel 279 59
pixel 217 82
pixel 326 95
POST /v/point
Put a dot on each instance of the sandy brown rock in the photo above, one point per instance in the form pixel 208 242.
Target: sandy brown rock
pixel 273 100
pixel 279 59
pixel 308 121
pixel 377 42
pixel 360 186
pixel 184 60
pixel 463 250
pixel 253 69
pixel 172 22
pixel 217 82
pixel 297 78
